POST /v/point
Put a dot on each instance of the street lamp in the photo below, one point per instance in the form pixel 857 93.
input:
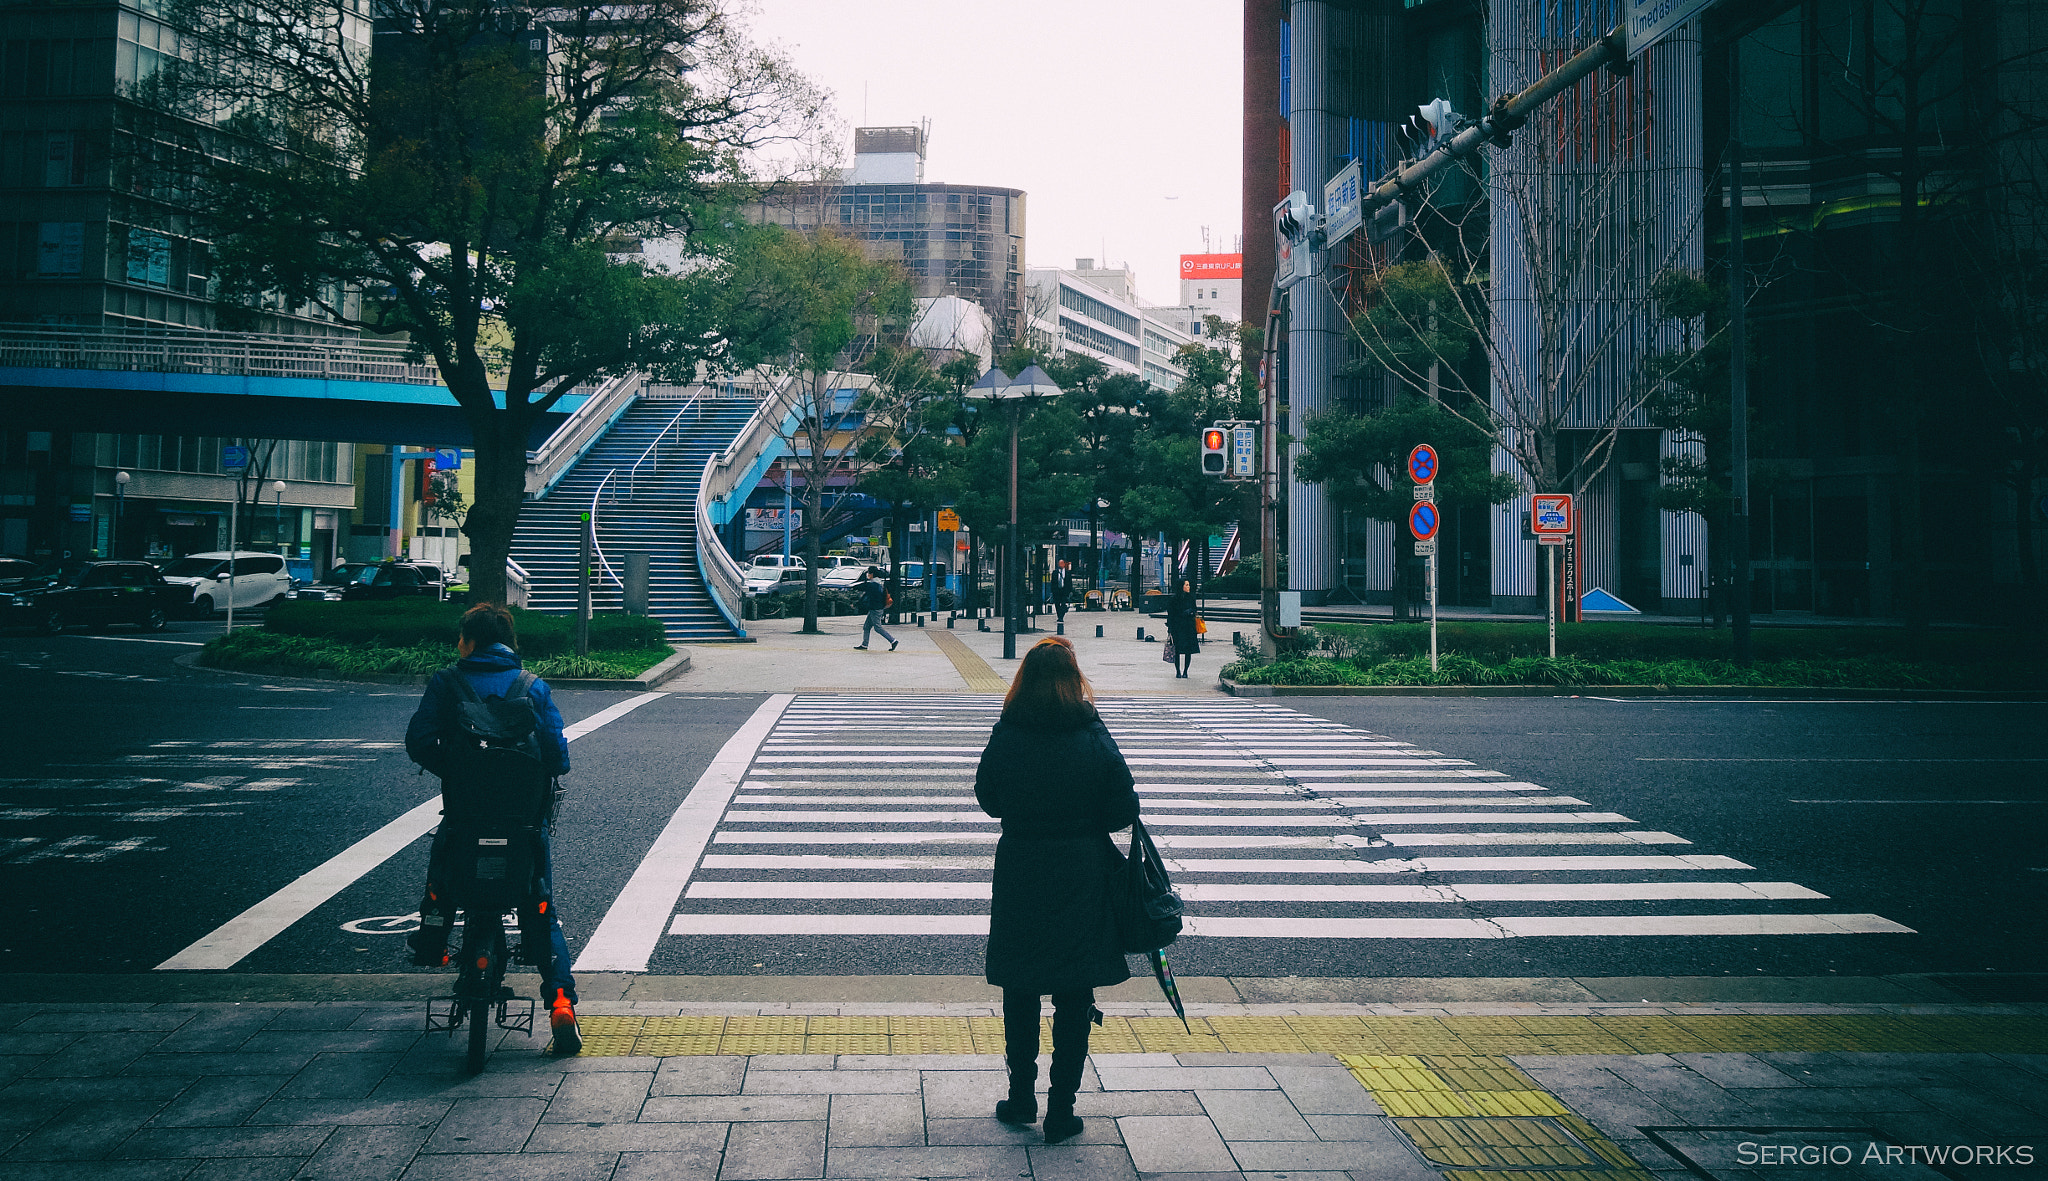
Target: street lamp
pixel 120 495
pixel 277 490
pixel 997 388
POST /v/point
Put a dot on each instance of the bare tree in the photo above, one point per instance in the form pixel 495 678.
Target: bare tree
pixel 1529 314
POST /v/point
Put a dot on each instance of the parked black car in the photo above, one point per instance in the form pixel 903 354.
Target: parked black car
pixel 331 584
pixel 98 593
pixel 396 580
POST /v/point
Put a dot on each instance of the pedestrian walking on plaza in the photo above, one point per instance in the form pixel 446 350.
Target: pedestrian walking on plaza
pixel 874 600
pixel 1062 591
pixel 1181 629
pixel 1055 778
pixel 488 673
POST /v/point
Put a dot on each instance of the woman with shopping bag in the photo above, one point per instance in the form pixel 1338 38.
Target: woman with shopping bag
pixel 1055 778
pixel 1181 630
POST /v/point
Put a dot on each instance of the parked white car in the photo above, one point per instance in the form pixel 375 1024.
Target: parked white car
pixel 768 571
pixel 839 570
pixel 258 579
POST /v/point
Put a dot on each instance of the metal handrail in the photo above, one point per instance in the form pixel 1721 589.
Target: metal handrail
pixel 720 571
pixel 594 546
pixel 633 474
pixel 569 442
pixel 518 584
pixel 199 350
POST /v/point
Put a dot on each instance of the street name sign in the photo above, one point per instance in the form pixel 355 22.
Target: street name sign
pixel 1342 205
pixel 1244 452
pixel 1422 463
pixel 1650 21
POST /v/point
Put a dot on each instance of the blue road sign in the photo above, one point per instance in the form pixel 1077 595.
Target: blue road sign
pixel 447 459
pixel 1422 464
pixel 234 459
pixel 1423 520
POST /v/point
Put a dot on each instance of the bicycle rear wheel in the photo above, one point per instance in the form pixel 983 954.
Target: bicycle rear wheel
pixel 483 970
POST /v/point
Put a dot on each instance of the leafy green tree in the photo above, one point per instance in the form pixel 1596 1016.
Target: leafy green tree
pixel 816 308
pixel 1362 460
pixel 468 190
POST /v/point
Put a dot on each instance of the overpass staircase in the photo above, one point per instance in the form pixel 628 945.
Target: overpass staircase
pixel 638 473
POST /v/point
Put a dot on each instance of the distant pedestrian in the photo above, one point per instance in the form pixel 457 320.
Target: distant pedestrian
pixel 1181 629
pixel 874 599
pixel 1055 778
pixel 1062 590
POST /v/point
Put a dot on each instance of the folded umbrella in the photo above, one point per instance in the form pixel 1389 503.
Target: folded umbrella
pixel 1164 975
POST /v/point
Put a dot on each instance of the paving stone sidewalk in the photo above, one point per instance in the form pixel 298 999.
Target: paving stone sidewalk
pixel 356 1092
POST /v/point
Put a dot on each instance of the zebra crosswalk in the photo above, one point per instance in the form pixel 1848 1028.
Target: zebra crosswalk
pixel 855 816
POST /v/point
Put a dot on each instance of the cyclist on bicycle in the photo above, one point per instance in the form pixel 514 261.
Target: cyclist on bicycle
pixel 491 666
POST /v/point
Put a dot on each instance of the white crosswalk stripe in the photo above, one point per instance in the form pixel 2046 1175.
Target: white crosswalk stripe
pixel 856 817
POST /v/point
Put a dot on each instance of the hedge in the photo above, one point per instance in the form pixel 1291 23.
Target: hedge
pixel 409 623
pixel 1646 654
pixel 260 649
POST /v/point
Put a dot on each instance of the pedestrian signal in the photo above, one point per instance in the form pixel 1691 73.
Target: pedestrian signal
pixel 1215 454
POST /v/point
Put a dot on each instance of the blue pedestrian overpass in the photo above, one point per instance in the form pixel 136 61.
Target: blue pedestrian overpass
pixel 191 382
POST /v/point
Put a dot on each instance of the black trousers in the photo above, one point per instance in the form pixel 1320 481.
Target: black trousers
pixel 1071 1013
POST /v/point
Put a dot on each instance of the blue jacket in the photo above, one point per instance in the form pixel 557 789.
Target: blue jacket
pixel 490 672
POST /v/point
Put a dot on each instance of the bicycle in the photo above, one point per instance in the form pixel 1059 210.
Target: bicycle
pixel 486 863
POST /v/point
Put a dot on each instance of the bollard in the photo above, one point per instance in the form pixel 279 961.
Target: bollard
pixel 920 621
pixel 1237 637
pixel 1059 629
pixel 949 623
pixel 1141 633
pixel 1098 631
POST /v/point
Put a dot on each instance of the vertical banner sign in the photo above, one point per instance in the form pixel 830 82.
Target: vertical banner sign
pixel 427 469
pixel 1571 579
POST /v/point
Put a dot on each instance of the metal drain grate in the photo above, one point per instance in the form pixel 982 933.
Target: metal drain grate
pixel 1991 987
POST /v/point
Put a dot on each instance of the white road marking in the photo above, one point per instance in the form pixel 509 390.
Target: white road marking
pixel 1406 865
pixel 1532 838
pixel 145 640
pixel 228 944
pixel 1496 818
pixel 2036 803
pixel 626 937
pixel 1313 928
pixel 1290 892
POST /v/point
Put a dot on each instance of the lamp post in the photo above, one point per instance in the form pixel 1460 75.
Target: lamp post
pixel 120 496
pixel 997 388
pixel 277 491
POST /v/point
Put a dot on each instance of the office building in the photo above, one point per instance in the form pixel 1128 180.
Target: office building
pixel 1094 311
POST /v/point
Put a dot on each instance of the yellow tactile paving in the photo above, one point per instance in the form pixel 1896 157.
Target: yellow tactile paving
pixel 1445 1040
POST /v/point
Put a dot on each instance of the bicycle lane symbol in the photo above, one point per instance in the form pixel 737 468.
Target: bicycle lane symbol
pixel 402 924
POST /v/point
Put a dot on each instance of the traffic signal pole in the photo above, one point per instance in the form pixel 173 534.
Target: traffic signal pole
pixel 1270 632
pixel 1508 114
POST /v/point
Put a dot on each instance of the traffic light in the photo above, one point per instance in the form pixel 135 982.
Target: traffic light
pixel 1292 218
pixel 1215 451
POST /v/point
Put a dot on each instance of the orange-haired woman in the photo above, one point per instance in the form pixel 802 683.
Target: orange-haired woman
pixel 1055 778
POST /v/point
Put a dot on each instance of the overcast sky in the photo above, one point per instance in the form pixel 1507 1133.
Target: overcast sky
pixel 1119 118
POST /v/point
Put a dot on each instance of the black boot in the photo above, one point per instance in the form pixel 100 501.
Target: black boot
pixel 1070 1018
pixel 1020 1054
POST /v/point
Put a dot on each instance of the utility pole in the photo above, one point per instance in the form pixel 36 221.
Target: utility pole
pixel 1738 375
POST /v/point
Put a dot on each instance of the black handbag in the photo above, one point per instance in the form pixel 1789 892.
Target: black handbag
pixel 1147 911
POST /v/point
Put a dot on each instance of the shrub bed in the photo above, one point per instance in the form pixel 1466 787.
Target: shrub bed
pixel 259 648
pixel 409 623
pixel 1645 654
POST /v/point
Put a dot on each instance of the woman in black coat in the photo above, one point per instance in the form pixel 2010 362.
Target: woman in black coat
pixel 1055 778
pixel 1180 627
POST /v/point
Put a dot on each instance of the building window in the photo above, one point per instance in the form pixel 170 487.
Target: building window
pixel 60 249
pixel 149 258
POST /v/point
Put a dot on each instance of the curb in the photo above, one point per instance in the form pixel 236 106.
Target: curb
pixel 1240 689
pixel 1915 990
pixel 667 670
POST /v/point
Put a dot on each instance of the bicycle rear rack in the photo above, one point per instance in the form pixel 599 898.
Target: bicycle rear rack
pixel 444 1014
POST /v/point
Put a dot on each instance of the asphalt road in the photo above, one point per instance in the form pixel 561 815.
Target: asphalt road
pixel 122 852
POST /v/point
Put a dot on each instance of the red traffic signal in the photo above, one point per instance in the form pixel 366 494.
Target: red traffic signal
pixel 1215 459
